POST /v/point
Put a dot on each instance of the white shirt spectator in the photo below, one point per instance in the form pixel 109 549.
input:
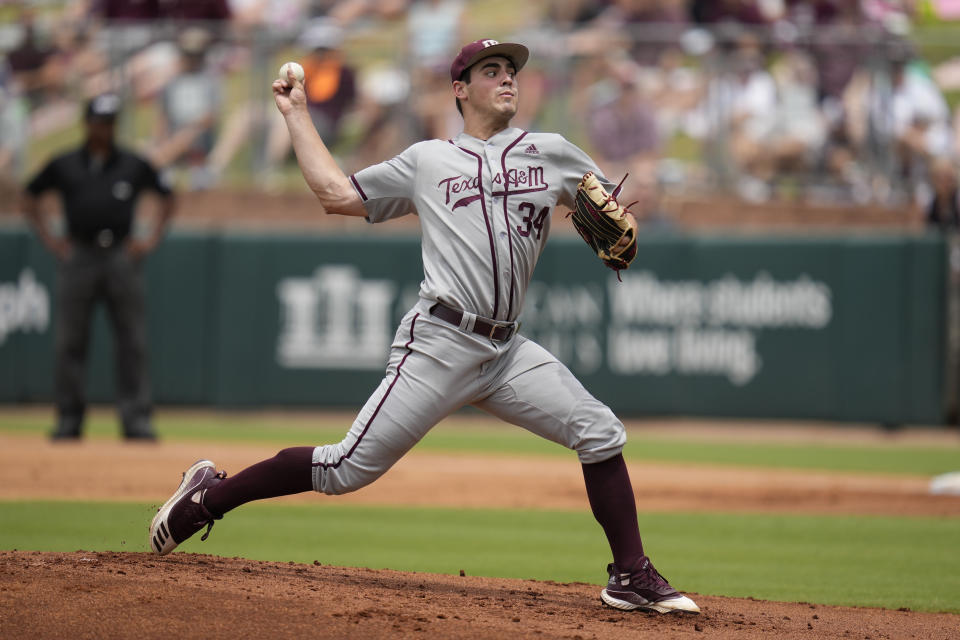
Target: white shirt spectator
pixel 915 101
pixel 747 100
pixel 433 27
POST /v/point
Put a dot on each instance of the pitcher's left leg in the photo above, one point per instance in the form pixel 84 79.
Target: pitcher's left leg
pixel 534 390
pixel 540 394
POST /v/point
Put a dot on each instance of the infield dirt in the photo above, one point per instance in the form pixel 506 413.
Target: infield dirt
pixel 113 595
pixel 101 470
pixel 136 595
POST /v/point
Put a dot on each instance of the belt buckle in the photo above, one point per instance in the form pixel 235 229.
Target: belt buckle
pixel 496 325
pixel 105 238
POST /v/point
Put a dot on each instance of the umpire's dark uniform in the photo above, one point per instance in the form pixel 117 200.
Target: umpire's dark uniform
pixel 99 185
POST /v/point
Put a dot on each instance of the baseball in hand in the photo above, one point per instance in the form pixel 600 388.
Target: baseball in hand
pixel 292 66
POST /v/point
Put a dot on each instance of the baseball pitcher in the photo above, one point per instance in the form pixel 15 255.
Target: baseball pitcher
pixel 484 200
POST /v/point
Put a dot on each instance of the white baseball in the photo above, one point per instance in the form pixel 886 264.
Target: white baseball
pixel 293 66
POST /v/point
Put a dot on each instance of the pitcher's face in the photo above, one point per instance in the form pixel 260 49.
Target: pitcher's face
pixel 492 88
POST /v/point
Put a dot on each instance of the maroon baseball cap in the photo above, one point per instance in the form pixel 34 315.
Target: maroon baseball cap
pixel 476 51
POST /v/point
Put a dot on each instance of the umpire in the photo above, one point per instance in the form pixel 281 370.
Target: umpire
pixel 99 260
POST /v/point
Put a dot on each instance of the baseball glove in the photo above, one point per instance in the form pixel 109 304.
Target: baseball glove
pixel 602 223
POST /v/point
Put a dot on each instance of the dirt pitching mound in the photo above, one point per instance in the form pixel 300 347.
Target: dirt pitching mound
pixel 137 595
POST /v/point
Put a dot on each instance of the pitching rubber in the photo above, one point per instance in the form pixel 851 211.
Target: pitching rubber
pixel 680 604
pixel 159 529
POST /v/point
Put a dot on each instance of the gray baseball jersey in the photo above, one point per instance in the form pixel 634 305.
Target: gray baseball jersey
pixel 484 209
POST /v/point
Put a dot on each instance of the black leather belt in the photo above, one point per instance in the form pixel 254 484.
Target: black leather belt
pixel 493 330
pixel 103 239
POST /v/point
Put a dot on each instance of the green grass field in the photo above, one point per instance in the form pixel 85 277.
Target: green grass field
pixel 870 561
pixel 862 561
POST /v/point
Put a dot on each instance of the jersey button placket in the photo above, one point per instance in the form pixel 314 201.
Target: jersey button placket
pixel 492 154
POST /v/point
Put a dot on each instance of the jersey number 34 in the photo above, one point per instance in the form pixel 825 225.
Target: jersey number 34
pixel 531 221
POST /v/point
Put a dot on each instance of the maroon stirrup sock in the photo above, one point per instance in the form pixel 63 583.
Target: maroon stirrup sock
pixel 614 507
pixel 290 471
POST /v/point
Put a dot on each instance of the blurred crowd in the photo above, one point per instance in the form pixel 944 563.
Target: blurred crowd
pixel 819 100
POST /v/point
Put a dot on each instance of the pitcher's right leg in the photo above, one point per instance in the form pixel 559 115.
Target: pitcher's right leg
pixel 418 391
pixel 428 378
pixel 397 416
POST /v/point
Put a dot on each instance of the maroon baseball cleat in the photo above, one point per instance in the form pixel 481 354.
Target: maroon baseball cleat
pixel 644 589
pixel 184 514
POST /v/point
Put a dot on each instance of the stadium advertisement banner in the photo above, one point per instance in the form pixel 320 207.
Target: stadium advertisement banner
pixel 847 328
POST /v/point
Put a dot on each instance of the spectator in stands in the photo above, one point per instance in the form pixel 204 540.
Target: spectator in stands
pixel 33 63
pixel 13 136
pixel 324 8
pixel 842 158
pixel 916 115
pixel 41 72
pixel 622 125
pixel 396 108
pixel 126 25
pixel 99 260
pixel 568 15
pixel 189 110
pixel 347 11
pixel 744 12
pixel 675 88
pixel 383 116
pixel 125 36
pixel 331 88
pixel 208 11
pixel 434 31
pixel 129 31
pixel 897 123
pixel 943 212
pixel 751 97
pixel 213 16
pixel 839 50
pixel 650 25
pixel 799 129
pixel 890 13
pixel 860 150
pixel 738 114
pixel 775 126
pixel 125 11
pixel 280 17
pixel 621 119
pixel 85 65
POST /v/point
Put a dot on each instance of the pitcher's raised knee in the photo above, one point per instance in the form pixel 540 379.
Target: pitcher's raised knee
pixel 602 439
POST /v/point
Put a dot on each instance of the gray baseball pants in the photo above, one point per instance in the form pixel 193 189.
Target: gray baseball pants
pixel 434 369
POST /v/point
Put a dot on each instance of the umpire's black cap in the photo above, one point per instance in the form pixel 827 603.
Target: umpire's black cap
pixel 104 107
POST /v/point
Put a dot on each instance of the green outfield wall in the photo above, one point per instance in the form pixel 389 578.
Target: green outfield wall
pixel 839 328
